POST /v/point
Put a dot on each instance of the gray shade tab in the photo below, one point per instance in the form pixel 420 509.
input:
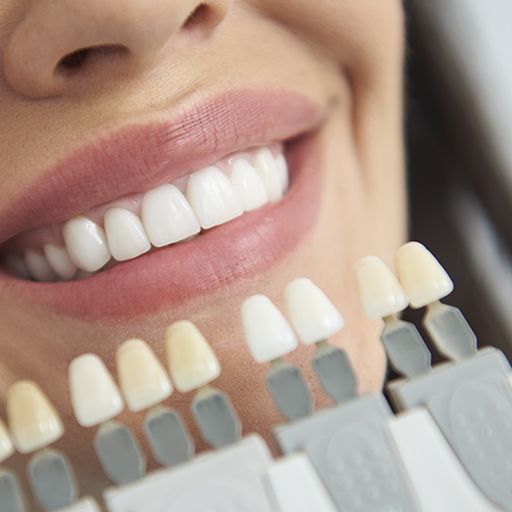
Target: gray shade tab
pixel 11 498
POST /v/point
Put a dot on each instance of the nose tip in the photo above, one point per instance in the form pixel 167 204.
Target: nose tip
pixel 96 39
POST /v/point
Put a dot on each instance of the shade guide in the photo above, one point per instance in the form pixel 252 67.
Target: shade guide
pixel 192 362
pixel 267 332
pixel 142 378
pixel 94 395
pixel 33 421
pixel 6 445
pixel 379 290
pixel 421 275
pixel 313 316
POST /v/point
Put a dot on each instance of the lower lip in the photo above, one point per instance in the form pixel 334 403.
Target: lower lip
pixel 174 275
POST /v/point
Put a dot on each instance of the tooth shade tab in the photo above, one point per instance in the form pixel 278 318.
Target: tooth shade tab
pixel 167 216
pixel 94 395
pixel 192 362
pixel 142 378
pixel 125 234
pixel 248 185
pixel 6 445
pixel 60 262
pixel 213 197
pixel 86 243
pixel 422 276
pixel 38 266
pixel 267 332
pixel 33 421
pixel 380 292
pixel 313 316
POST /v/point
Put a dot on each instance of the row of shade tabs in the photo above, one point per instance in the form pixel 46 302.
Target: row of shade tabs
pixel 144 384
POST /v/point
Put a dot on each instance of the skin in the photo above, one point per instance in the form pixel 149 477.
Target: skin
pixel 346 55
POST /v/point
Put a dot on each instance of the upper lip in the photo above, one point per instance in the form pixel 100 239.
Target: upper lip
pixel 146 153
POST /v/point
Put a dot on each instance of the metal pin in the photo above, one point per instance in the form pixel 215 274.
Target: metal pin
pixel 52 480
pixel 406 350
pixel 335 372
pixel 216 417
pixel 289 390
pixel 450 331
pixel 168 437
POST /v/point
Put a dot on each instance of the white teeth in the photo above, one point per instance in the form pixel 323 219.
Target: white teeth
pixel 167 216
pixel 267 333
pixel 192 362
pixel 6 446
pixel 213 197
pixel 86 243
pixel 142 377
pixel 312 314
pixel 39 267
pixel 94 396
pixel 248 184
pixel 125 234
pixel 380 292
pixel 282 166
pixel 59 261
pixel 271 173
pixel 33 421
pixel 422 276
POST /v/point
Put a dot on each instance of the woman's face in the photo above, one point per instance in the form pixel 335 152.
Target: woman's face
pixel 103 101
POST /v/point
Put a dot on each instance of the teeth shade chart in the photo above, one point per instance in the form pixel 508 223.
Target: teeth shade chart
pixel 382 296
pixel 167 214
pixel 193 366
pixel 426 283
pixel 315 319
pixel 96 400
pixel 145 384
pixel 269 337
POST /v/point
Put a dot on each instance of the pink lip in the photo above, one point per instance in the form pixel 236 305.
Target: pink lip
pixel 139 157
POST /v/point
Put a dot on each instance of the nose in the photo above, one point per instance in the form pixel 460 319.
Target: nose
pixel 58 40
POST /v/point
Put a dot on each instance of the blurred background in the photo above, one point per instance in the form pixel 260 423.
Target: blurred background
pixel 459 131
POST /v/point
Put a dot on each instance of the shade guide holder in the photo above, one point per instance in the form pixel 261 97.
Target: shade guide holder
pixel 351 449
pixel 471 404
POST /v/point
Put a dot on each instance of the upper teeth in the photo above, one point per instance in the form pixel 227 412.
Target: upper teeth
pixel 165 215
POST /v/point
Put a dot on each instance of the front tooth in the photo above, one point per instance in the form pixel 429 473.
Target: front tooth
pixel 125 234
pixel 380 292
pixel 266 165
pixel 94 396
pixel 213 197
pixel 312 314
pixel 142 377
pixel 33 421
pixel 248 184
pixel 86 243
pixel 282 166
pixel 192 362
pixel 39 267
pixel 167 216
pixel 59 261
pixel 6 446
pixel 267 333
pixel 422 276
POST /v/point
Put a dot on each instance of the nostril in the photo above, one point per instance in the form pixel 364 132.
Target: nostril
pixel 77 59
pixel 201 15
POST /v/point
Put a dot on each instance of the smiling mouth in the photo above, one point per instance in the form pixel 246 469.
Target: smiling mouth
pixel 159 213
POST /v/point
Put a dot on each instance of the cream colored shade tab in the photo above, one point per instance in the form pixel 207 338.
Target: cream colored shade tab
pixel 6 445
pixel 94 395
pixel 33 421
pixel 192 362
pixel 423 278
pixel 142 378
pixel 379 291
pixel 313 316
